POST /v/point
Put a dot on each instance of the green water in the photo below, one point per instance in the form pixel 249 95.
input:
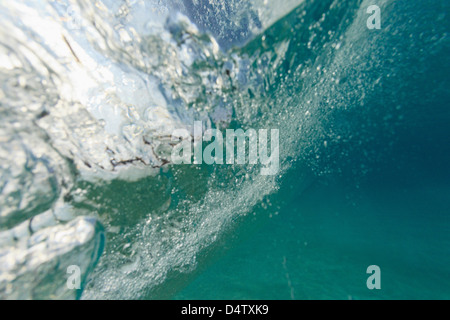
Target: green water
pixel 322 241
pixel 381 197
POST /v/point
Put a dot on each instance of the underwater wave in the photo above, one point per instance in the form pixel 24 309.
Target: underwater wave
pixel 92 90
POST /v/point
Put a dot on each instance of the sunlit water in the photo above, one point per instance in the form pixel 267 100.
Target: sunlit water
pixel 91 91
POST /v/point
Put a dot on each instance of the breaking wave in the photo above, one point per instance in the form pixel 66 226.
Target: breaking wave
pixel 91 91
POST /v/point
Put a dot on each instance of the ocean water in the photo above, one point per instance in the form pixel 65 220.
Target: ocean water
pixel 92 91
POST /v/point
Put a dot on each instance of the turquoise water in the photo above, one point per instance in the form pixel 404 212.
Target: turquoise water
pixel 389 208
pixel 363 117
pixel 381 198
pixel 320 248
